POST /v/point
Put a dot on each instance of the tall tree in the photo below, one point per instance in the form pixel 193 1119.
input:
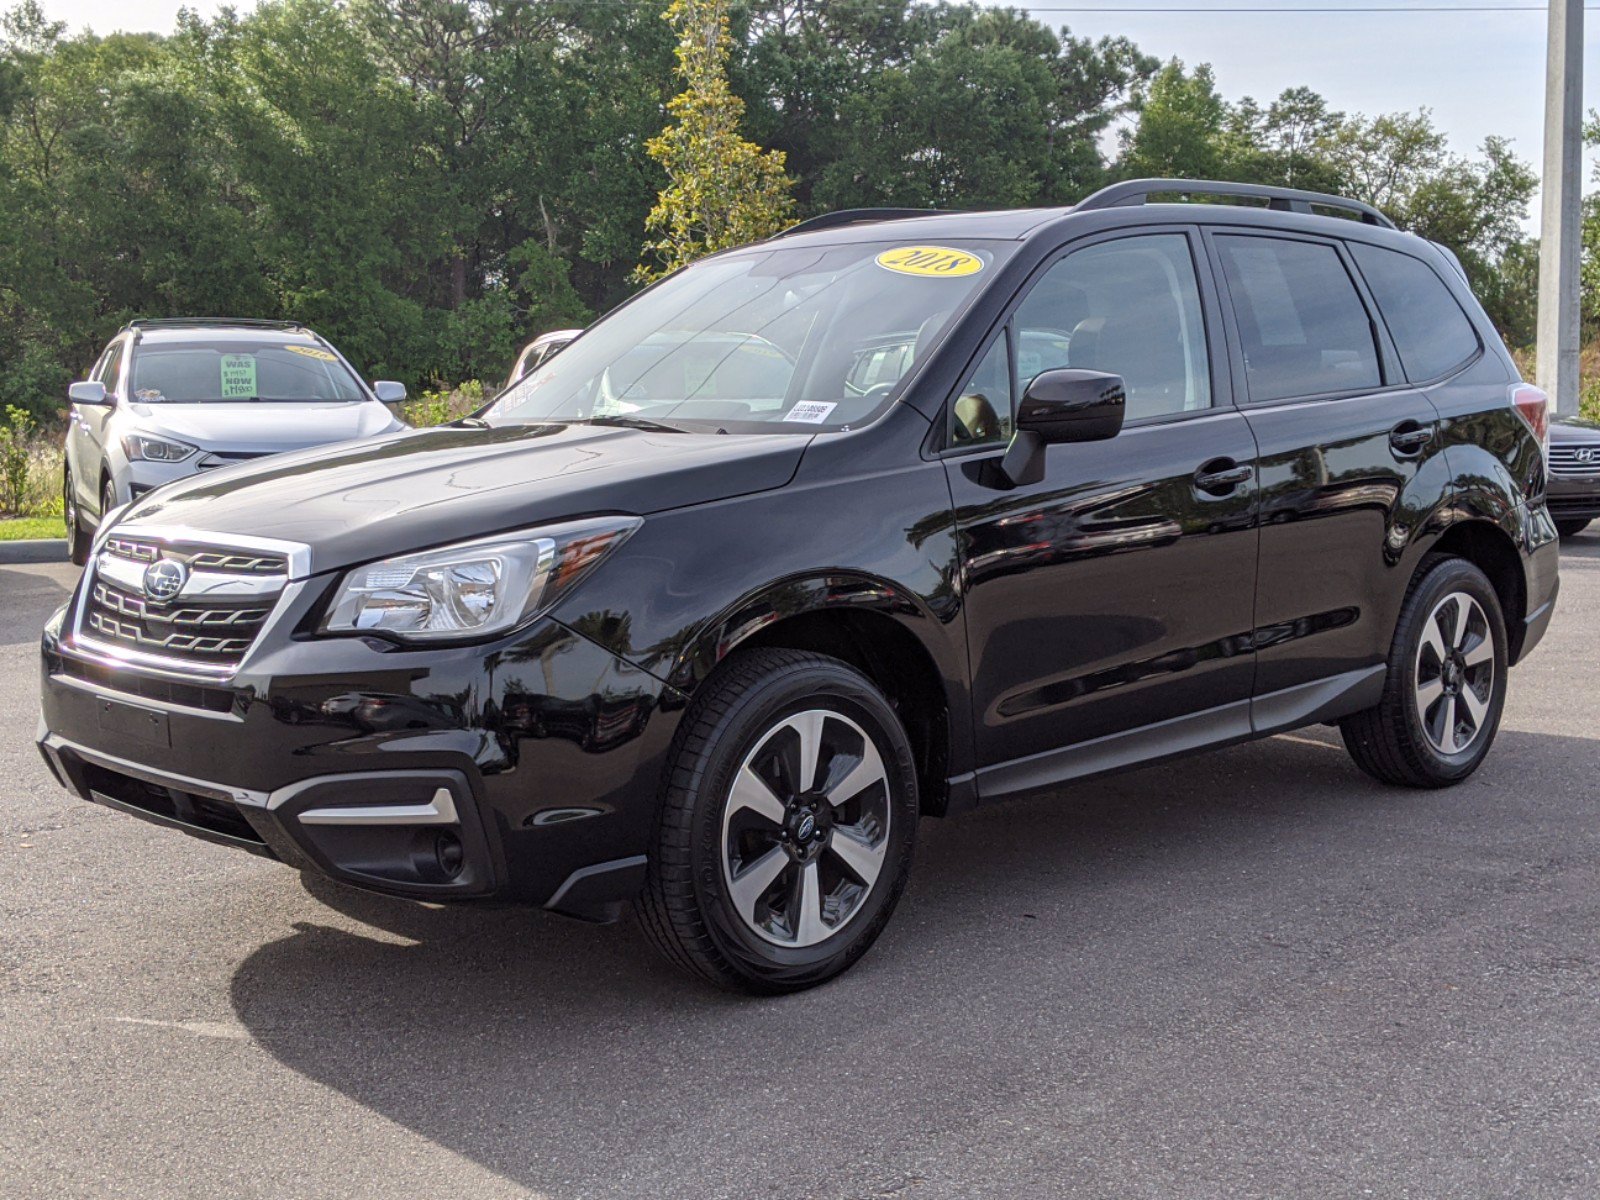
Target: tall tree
pixel 989 108
pixel 1180 133
pixel 722 190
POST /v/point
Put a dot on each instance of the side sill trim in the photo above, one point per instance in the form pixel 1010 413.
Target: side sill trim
pixel 1320 700
pixel 1117 751
pixel 1240 721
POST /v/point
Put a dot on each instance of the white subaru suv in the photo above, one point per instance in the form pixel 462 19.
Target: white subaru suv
pixel 169 398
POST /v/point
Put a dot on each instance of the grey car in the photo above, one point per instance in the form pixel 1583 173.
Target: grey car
pixel 169 398
pixel 1574 495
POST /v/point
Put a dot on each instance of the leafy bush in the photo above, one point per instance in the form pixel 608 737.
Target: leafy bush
pixel 16 432
pixel 30 467
pixel 443 405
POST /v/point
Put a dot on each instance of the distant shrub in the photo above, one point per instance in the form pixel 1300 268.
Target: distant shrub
pixel 444 405
pixel 16 434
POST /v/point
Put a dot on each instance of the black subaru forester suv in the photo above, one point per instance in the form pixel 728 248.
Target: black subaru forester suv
pixel 889 516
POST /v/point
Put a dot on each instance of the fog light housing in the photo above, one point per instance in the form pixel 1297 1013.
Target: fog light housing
pixel 449 853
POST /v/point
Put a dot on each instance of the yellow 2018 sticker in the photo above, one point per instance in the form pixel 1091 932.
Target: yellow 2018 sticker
pixel 938 261
pixel 316 352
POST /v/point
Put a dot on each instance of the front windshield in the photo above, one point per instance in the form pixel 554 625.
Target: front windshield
pixel 219 370
pixel 774 338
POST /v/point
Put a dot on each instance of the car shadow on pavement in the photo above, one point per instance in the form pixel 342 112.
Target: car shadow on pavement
pixel 1041 942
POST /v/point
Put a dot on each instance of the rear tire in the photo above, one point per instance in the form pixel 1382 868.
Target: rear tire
pixel 78 538
pixel 786 827
pixel 1572 527
pixel 1446 682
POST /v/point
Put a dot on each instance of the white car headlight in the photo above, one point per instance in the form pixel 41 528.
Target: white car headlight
pixel 475 589
pixel 139 448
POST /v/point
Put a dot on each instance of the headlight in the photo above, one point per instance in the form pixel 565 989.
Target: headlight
pixel 148 449
pixel 474 589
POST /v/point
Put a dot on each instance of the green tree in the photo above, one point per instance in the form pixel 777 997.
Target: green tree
pixel 1181 128
pixel 722 190
pixel 992 109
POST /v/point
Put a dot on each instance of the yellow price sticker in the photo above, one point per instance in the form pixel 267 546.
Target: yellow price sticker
pixel 316 352
pixel 937 261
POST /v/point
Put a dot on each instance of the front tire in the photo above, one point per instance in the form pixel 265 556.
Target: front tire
pixel 78 538
pixel 786 827
pixel 1446 682
pixel 1571 528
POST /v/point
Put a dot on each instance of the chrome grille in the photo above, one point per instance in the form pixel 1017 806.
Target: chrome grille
pixel 1575 462
pixel 226 596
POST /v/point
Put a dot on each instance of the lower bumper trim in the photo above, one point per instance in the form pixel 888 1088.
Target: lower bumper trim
pixel 597 893
pixel 215 836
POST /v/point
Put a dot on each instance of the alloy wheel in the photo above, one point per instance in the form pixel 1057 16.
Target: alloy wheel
pixel 805 828
pixel 1455 673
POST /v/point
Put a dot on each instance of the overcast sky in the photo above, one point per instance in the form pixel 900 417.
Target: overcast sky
pixel 1480 73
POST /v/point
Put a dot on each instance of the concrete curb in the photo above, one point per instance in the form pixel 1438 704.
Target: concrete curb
pixel 34 550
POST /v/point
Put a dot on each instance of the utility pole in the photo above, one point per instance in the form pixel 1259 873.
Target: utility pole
pixel 1560 230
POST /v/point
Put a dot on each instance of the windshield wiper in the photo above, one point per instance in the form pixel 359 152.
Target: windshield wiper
pixel 471 423
pixel 632 423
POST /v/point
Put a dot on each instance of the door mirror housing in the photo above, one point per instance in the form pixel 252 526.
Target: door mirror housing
pixel 388 391
pixel 1073 406
pixel 1065 405
pixel 88 391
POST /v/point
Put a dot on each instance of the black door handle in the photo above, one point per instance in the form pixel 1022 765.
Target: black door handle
pixel 1408 437
pixel 1221 476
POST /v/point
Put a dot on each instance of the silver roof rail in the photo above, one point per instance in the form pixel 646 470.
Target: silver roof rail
pixel 1140 191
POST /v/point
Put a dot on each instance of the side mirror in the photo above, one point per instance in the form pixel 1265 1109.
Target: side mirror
pixel 1073 406
pixel 88 391
pixel 388 391
pixel 1065 405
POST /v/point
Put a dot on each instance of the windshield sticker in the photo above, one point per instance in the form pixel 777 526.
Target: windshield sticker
pixel 316 352
pixel 937 261
pixel 239 377
pixel 149 394
pixel 810 412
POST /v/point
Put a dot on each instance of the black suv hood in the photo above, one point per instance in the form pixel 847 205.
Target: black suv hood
pixel 358 501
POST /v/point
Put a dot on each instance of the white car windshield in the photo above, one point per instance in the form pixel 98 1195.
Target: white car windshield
pixel 774 338
pixel 227 370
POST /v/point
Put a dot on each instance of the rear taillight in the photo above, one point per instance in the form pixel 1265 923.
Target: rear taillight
pixel 1533 406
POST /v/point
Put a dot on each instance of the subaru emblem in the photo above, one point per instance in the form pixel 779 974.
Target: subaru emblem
pixel 164 579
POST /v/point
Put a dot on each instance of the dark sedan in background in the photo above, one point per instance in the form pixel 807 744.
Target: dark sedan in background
pixel 1574 494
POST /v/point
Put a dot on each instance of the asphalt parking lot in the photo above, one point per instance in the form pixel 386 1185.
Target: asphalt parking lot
pixel 1250 974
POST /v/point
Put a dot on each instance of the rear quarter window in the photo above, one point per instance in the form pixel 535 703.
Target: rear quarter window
pixel 1431 332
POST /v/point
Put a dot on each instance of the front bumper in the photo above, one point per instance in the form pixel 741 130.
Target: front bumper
pixel 138 478
pixel 1572 499
pixel 526 770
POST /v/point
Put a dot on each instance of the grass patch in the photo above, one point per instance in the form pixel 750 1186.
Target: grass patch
pixel 16 529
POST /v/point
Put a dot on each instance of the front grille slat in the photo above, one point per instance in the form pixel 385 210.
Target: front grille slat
pixel 215 633
pixel 1575 462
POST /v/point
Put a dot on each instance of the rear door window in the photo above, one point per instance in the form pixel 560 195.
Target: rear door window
pixel 1431 333
pixel 1302 324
